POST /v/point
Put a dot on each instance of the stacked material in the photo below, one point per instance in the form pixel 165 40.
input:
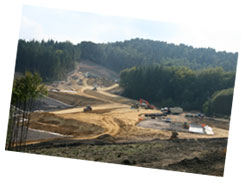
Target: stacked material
pixel 208 130
pixel 196 128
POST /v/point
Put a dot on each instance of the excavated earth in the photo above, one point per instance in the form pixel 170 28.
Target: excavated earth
pixel 113 132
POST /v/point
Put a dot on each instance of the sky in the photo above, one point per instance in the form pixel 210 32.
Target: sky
pixel 63 25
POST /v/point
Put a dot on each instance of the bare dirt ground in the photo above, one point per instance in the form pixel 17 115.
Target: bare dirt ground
pixel 113 121
pixel 111 113
pixel 87 66
pixel 202 156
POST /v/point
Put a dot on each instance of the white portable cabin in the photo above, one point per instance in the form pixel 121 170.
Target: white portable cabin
pixel 195 128
pixel 208 130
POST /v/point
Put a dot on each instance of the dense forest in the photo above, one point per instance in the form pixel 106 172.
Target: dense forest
pixel 175 86
pixel 135 52
pixel 165 74
pixel 220 103
pixel 54 59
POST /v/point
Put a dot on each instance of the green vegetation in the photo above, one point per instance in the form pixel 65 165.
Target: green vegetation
pixel 25 90
pixel 165 74
pixel 135 52
pixel 53 60
pixel 220 102
pixel 175 86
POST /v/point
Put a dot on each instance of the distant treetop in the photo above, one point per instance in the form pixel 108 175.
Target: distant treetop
pixel 54 59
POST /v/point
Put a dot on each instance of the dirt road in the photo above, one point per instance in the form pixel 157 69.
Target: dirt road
pixel 113 132
pixel 111 115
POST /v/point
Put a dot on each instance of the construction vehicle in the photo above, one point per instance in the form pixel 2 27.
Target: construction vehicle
pixel 134 106
pixel 146 104
pixel 186 125
pixel 174 135
pixel 95 87
pixel 165 109
pixel 167 120
pixel 172 110
pixel 199 115
pixel 87 108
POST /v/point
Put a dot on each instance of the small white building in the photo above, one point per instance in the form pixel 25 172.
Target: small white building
pixel 197 128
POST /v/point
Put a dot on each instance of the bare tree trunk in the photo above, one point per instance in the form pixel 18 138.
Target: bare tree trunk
pixel 23 123
pixel 11 126
pixel 16 127
pixel 28 120
pixel 19 124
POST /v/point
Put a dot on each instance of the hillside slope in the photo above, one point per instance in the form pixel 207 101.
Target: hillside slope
pixel 53 60
pixel 97 70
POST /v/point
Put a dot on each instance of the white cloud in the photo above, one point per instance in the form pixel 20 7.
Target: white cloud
pixel 219 38
pixel 76 27
pixel 113 32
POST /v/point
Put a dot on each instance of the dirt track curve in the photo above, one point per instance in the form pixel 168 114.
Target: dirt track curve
pixel 113 117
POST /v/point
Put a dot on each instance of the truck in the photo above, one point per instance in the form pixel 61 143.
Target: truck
pixel 172 110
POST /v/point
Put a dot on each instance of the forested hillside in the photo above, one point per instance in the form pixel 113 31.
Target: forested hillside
pixel 219 103
pixel 54 59
pixel 176 86
pixel 165 74
pixel 135 52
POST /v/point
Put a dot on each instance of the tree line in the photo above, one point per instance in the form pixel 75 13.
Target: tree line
pixel 178 86
pixel 166 74
pixel 219 104
pixel 53 60
pixel 135 52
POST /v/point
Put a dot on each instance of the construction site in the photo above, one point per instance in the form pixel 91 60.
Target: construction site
pixel 84 117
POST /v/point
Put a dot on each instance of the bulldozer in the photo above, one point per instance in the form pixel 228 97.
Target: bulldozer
pixel 87 108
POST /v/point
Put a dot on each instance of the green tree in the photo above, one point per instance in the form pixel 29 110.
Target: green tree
pixel 53 60
pixel 25 90
pixel 174 86
pixel 220 103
